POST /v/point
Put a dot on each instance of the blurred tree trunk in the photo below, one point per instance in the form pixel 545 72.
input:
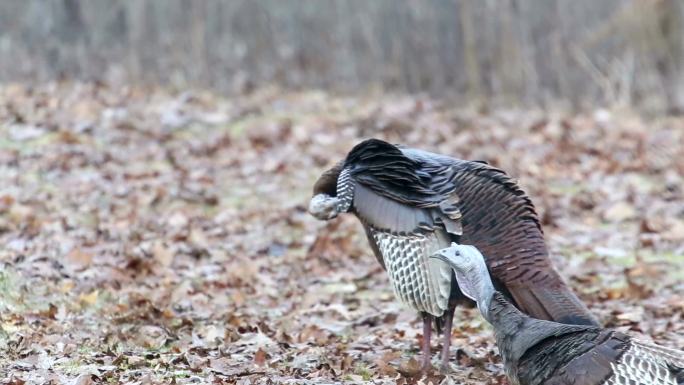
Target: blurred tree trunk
pixel 472 67
pixel 671 65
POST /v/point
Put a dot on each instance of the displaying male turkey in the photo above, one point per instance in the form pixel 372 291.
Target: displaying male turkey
pixel 537 352
pixel 413 203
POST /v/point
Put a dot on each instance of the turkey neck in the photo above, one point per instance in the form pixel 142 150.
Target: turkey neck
pixel 509 326
pixel 507 322
pixel 327 183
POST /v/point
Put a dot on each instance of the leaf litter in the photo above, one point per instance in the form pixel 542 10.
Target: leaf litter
pixel 152 236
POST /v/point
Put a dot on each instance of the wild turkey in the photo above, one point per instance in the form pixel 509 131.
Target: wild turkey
pixel 413 203
pixel 537 352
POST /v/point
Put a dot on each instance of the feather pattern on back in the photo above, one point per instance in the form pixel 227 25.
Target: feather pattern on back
pixel 644 363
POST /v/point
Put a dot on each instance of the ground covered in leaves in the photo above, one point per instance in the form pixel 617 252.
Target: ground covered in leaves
pixel 158 237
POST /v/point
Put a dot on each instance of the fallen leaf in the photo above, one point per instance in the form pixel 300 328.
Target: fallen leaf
pixel 410 368
pixel 384 366
pixel 90 298
pixel 674 232
pixel 619 211
pixel 78 259
pixel 162 254
pixel 260 357
pixel 83 379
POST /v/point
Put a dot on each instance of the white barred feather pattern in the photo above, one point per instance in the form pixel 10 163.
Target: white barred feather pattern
pixel 419 282
pixel 345 190
pixel 646 364
pixel 672 356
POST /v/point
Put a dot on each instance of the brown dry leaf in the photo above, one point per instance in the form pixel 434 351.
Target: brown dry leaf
pixel 643 269
pixel 78 259
pixel 616 292
pixel 238 298
pixel 638 291
pixel 6 201
pixel 68 137
pixel 150 336
pixel 50 313
pixel 410 368
pixel 384 366
pixel 16 381
pixel 676 302
pixel 260 357
pixel 652 225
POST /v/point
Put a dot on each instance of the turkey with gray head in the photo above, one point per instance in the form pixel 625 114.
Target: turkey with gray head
pixel 538 352
pixel 413 203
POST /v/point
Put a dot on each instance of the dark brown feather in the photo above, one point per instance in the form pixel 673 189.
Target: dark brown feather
pixel 499 219
pixel 327 182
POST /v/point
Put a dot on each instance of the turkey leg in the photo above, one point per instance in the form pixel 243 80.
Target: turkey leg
pixel 427 332
pixel 446 344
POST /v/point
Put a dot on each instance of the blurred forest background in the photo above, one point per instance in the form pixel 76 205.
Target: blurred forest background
pixel 574 53
pixel 157 159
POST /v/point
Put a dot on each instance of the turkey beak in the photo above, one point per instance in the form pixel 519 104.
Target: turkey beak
pixel 441 255
pixel 445 255
pixel 323 207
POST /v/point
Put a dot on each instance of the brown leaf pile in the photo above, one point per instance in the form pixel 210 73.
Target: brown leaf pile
pixel 149 236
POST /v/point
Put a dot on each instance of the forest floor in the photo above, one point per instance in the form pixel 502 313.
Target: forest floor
pixel 149 236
